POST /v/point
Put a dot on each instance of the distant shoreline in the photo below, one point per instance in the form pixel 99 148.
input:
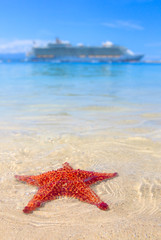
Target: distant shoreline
pixel 27 61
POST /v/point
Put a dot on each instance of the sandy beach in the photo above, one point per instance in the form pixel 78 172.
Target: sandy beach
pixel 100 133
pixel 133 197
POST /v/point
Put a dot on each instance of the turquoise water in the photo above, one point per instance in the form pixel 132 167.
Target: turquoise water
pixel 79 97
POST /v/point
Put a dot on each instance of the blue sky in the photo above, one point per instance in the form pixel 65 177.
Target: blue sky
pixel 135 24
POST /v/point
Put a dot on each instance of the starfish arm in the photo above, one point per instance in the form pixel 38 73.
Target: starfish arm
pixel 92 177
pixel 45 193
pixel 81 191
pixel 66 166
pixel 40 180
pixel 44 178
pixel 28 179
pixel 99 177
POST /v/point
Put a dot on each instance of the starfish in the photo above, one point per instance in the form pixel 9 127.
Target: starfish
pixel 65 181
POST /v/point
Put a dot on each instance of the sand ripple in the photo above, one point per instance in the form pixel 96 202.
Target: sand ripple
pixel 149 193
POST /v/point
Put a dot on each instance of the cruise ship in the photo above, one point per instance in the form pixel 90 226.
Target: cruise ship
pixel 63 51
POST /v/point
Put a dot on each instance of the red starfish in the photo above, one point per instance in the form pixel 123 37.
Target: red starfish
pixel 65 181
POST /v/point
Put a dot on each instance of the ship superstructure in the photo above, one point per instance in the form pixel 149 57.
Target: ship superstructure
pixel 65 52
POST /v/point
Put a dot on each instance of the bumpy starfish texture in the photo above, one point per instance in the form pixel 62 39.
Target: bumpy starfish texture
pixel 65 181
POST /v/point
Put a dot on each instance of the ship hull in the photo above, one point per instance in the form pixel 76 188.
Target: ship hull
pixel 134 58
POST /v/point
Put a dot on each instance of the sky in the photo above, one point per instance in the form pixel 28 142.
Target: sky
pixel 135 24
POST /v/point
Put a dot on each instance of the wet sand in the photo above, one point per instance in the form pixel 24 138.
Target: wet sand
pixel 133 197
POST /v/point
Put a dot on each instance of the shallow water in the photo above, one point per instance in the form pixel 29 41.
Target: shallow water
pixel 100 117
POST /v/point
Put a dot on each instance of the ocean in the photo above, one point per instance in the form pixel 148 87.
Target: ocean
pixel 79 98
pixel 97 117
